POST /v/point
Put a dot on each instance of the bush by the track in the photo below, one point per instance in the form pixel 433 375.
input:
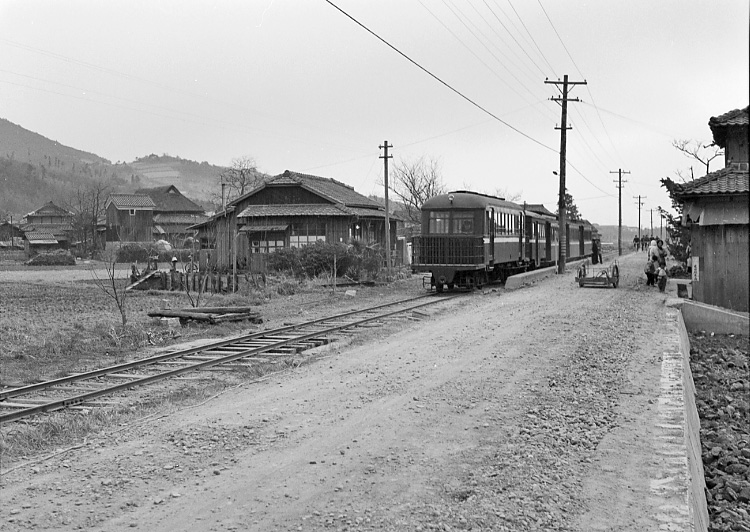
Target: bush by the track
pixel 58 257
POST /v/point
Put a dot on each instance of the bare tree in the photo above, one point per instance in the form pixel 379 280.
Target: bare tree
pixel 87 205
pixel 414 182
pixel 112 286
pixel 695 149
pixel 241 177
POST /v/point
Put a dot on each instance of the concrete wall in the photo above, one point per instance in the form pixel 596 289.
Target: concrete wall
pixel 703 317
pixel 696 492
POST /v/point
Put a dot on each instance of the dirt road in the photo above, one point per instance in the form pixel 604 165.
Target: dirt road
pixel 524 410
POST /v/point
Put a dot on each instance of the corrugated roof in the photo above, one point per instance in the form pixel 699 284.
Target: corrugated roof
pixel 132 201
pixel 179 219
pixel 725 181
pixel 169 199
pixel 263 228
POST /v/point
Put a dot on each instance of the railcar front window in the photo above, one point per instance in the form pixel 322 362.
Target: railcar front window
pixel 439 222
pixel 463 223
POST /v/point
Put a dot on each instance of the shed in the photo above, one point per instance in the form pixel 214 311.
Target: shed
pixel 129 217
pixel 715 207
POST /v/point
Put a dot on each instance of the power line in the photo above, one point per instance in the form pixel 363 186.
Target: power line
pixel 531 37
pixel 560 38
pixel 436 78
pixel 541 71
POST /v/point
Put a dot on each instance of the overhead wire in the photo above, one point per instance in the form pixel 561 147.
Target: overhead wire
pixel 439 80
pixel 529 34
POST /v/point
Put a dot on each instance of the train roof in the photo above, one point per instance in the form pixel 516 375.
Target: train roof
pixel 464 199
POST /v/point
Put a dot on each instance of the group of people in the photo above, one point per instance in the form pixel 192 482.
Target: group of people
pixel 656 265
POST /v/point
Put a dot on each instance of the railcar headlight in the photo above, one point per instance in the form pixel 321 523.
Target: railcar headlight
pixel 450 198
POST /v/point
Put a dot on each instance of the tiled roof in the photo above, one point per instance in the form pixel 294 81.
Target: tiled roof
pixel 539 208
pixel 725 181
pixel 737 117
pixel 333 190
pixel 55 229
pixel 179 218
pixel 316 209
pixel 719 124
pixel 373 213
pixel 50 209
pixel 40 237
pixel 132 201
pixel 169 199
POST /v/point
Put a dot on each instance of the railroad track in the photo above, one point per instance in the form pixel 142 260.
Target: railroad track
pixel 82 389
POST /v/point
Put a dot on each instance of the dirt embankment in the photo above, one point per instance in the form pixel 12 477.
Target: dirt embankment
pixel 525 410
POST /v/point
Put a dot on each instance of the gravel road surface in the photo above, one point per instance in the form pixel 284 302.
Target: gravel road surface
pixel 500 410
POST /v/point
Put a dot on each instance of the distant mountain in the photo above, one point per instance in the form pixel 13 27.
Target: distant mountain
pixel 198 181
pixel 35 170
pixel 22 145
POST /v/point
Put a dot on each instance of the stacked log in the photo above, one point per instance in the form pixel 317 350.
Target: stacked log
pixel 210 315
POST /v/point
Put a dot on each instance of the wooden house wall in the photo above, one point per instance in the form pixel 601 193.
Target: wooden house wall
pixel 722 252
pixel 121 226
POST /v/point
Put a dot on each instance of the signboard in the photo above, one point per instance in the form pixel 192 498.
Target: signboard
pixel 696 269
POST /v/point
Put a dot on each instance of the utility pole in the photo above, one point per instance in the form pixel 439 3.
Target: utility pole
pixel 385 158
pixel 652 224
pixel 640 203
pixel 619 208
pixel 561 214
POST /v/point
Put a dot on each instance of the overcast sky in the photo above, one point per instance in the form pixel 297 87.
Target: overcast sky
pixel 298 85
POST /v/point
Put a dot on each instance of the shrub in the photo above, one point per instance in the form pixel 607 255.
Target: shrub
pixel 133 252
pixel 59 257
pixel 355 260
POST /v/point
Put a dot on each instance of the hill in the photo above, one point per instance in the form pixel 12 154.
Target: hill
pixel 35 170
pixel 198 181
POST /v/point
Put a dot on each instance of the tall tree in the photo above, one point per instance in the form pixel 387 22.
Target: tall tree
pixel 241 177
pixel 571 209
pixel 414 182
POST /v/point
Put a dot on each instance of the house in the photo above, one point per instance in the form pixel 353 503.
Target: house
pixel 290 210
pixel 173 214
pixel 47 228
pixel 715 207
pixel 129 218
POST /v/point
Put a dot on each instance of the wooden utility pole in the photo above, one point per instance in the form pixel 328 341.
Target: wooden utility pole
pixel 619 206
pixel 640 203
pixel 385 158
pixel 561 214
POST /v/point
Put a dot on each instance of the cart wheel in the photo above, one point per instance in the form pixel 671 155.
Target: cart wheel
pixel 615 276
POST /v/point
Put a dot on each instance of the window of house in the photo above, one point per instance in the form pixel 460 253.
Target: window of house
pixel 438 222
pixel 270 243
pixel 303 234
pixel 132 212
pixel 462 223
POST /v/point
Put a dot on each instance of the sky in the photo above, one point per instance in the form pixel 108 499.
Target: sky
pixel 316 86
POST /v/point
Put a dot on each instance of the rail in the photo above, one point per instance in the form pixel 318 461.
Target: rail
pixel 23 402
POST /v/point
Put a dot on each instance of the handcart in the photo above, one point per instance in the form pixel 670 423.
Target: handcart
pixel 604 277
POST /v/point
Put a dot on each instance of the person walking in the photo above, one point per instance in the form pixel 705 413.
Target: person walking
pixel 661 276
pixel 653 251
pixel 650 271
pixel 662 253
pixel 636 242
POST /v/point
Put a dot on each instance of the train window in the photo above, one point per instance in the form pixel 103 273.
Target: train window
pixel 439 222
pixel 463 223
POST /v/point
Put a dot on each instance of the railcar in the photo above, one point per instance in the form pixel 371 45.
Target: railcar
pixel 470 239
